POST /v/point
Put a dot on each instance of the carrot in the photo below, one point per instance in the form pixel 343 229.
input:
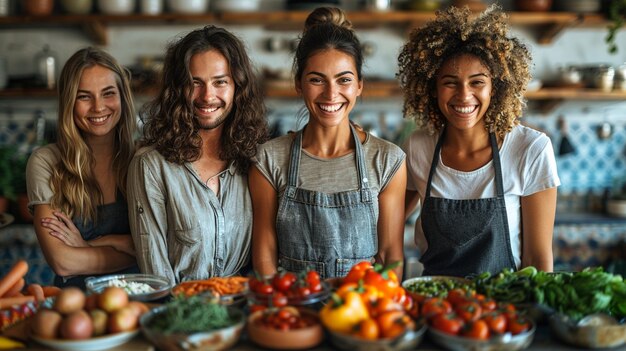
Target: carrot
pixel 50 290
pixel 37 291
pixel 15 289
pixel 17 272
pixel 6 302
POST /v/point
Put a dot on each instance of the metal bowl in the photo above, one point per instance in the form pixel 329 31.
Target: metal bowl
pixel 441 281
pixel 159 285
pixel 314 300
pixel 219 339
pixel 504 342
pixel 593 331
pixel 407 341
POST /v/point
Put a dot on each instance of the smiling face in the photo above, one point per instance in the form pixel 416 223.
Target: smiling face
pixel 329 86
pixel 464 90
pixel 97 108
pixel 213 88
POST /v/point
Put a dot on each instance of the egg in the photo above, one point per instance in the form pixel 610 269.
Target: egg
pixel 45 324
pixel 77 326
pixel 69 300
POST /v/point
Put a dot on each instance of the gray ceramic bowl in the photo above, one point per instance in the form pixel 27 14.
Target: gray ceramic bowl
pixel 407 341
pixel 219 339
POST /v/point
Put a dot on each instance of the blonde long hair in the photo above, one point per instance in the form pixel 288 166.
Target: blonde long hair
pixel 76 191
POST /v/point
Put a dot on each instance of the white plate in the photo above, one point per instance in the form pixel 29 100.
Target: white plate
pixel 6 219
pixel 97 343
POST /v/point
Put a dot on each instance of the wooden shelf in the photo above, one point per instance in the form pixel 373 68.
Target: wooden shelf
pixel 548 24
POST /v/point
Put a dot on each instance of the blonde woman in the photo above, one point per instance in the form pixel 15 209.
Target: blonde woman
pixel 77 186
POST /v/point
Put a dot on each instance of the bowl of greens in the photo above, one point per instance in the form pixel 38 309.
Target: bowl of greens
pixel 193 323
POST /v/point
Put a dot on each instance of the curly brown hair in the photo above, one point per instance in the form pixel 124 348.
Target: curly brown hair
pixel 169 119
pixel 455 32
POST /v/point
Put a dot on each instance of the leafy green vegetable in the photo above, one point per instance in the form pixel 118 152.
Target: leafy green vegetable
pixel 192 314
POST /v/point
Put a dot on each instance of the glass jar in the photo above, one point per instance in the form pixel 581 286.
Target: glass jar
pixel 620 77
pixel 605 76
pixel 46 62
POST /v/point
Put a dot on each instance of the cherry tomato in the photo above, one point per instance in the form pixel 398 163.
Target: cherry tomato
pixel 313 279
pixel 488 304
pixel 476 330
pixel 517 324
pixel 279 299
pixel 384 304
pixel 496 322
pixel 435 305
pixel 264 288
pixel 458 296
pixel 283 281
pixel 367 329
pixel 468 310
pixel 256 307
pixel 394 323
pixel 447 323
pixel 303 291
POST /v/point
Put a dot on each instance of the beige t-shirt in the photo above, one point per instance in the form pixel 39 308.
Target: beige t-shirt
pixel 333 175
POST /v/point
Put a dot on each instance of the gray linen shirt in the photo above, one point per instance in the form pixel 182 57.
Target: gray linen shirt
pixel 181 229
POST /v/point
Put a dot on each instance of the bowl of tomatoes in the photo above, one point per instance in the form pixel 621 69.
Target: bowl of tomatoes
pixel 285 288
pixel 285 328
pixel 409 339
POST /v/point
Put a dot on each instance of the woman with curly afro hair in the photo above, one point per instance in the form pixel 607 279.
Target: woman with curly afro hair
pixel 487 184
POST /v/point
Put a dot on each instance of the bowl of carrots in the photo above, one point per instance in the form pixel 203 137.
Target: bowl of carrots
pixel 225 290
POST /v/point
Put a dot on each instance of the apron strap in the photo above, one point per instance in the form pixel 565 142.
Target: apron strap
pixel 294 166
pixel 495 154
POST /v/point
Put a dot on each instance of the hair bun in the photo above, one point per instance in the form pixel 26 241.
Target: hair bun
pixel 327 15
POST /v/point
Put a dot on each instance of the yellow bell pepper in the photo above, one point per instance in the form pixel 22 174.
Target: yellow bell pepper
pixel 343 312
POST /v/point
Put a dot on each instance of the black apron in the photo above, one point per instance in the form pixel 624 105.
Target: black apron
pixel 466 237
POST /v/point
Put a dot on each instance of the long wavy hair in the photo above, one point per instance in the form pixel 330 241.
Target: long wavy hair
pixel 76 191
pixel 170 123
pixel 452 33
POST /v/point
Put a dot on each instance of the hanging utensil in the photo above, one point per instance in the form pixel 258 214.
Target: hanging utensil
pixel 565 146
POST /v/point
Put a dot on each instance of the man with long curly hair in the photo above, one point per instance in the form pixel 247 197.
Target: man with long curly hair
pixel 486 183
pixel 189 208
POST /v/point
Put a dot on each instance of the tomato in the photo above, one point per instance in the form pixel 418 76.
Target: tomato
pixel 303 291
pixel 468 310
pixel 394 323
pixel 488 304
pixel 283 281
pixel 367 329
pixel 458 295
pixel 476 330
pixel 264 289
pixel 279 299
pixel 434 306
pixel 384 304
pixel 506 307
pixel 357 272
pixel 313 279
pixel 517 324
pixel 256 307
pixel 496 322
pixel 447 323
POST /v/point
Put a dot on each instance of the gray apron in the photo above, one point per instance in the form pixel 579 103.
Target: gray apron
pixel 466 237
pixel 326 232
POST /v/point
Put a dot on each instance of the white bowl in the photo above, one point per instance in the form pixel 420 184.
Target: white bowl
pixel 188 6
pixel 116 7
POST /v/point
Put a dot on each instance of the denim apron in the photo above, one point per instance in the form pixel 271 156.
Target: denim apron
pixel 326 232
pixel 112 219
pixel 466 237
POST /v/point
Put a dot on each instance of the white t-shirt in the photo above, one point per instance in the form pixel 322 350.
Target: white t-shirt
pixel 528 166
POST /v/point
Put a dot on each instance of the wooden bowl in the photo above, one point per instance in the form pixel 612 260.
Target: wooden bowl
pixel 293 339
pixel 533 5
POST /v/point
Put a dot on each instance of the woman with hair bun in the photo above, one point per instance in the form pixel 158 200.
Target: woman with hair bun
pixel 329 195
pixel 487 184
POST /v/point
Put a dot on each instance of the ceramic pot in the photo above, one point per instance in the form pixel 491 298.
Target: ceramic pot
pixel 77 7
pixel 116 7
pixel 533 5
pixel 37 7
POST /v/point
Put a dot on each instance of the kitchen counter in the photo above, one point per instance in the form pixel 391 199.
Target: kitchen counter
pixel 543 341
